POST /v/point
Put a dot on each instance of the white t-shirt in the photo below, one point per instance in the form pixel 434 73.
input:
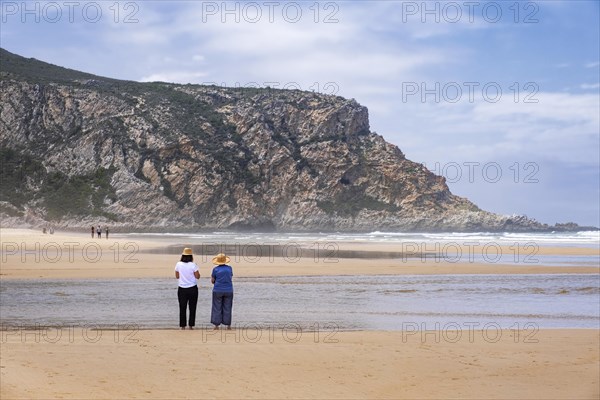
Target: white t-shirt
pixel 186 274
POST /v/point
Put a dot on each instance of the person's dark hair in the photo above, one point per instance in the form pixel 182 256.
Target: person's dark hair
pixel 186 259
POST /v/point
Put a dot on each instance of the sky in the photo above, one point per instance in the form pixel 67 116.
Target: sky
pixel 502 98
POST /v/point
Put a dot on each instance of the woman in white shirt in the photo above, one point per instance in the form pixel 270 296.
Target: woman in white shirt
pixel 187 293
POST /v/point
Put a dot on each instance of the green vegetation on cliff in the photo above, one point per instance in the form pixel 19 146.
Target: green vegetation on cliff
pixel 22 179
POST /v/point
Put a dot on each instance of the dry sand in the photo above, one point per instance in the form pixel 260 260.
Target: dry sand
pixel 557 364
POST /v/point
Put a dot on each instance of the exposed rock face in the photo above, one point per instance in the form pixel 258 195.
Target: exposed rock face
pixel 186 156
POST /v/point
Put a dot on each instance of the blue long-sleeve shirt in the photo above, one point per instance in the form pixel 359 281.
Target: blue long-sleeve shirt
pixel 222 275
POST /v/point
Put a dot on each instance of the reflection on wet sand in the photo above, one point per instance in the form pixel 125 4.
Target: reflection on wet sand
pixel 288 251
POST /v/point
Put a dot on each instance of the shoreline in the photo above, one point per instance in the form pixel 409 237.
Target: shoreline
pixel 33 255
pixel 132 229
pixel 8 330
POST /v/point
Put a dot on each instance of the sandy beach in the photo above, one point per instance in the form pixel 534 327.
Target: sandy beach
pixel 267 364
pixel 271 362
pixel 28 254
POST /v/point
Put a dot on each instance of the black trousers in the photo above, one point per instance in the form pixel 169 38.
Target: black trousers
pixel 187 296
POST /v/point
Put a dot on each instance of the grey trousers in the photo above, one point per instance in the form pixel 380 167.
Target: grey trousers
pixel 222 303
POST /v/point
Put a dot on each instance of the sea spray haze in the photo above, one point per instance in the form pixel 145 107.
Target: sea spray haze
pixel 78 148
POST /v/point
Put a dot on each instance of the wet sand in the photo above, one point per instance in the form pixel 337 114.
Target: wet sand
pixel 31 255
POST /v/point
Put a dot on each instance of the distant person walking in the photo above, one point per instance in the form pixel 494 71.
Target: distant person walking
pixel 93 229
pixel 187 293
pixel 106 231
pixel 99 231
pixel 222 298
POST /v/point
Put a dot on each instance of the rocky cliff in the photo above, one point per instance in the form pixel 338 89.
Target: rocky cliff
pixel 78 149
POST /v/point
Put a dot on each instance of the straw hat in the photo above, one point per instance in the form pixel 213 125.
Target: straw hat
pixel 220 259
pixel 187 252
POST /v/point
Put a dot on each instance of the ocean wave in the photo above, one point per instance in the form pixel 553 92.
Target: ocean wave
pixel 396 291
pixel 585 238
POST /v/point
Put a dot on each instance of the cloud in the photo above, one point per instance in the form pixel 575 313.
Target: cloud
pixel 555 141
pixel 176 77
pixel 592 64
pixel 590 85
pixel 561 126
pixel 305 54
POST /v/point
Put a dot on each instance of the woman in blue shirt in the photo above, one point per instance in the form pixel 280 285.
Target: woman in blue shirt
pixel 222 299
